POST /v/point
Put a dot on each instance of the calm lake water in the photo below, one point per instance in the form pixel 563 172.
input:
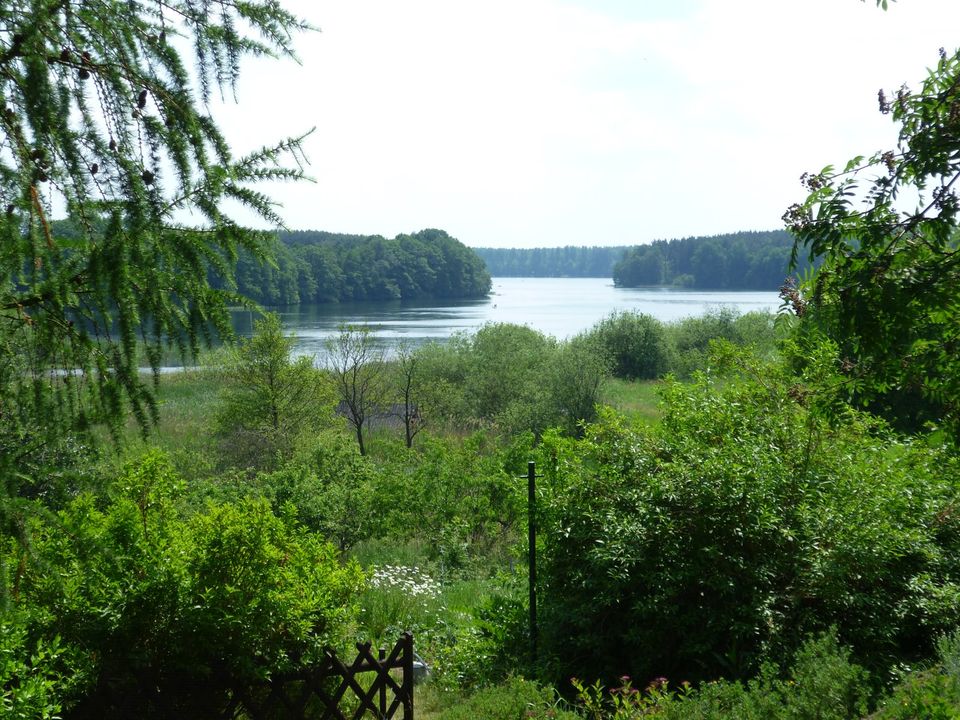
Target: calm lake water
pixel 561 307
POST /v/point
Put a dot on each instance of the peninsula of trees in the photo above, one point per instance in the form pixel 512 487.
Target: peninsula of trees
pixel 312 266
pixel 734 261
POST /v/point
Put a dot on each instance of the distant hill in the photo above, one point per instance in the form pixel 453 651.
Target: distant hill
pixel 734 261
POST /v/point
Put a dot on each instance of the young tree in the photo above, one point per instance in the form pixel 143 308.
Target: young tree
pixel 574 382
pixel 356 362
pixel 100 119
pixel 408 380
pixel 270 401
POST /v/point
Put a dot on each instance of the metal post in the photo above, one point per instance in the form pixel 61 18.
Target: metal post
pixel 532 543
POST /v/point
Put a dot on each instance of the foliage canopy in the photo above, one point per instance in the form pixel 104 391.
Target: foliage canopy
pixel 100 119
pixel 886 226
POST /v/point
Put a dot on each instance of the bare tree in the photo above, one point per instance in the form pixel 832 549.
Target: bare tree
pixel 356 363
pixel 407 382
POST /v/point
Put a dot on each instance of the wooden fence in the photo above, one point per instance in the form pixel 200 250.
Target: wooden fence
pixel 331 690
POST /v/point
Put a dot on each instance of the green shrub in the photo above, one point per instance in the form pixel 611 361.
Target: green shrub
pixel 689 339
pixel 171 614
pixel 931 694
pixel 457 494
pixel 634 345
pixel 738 526
pixel 33 677
pixel 822 684
pixel 332 486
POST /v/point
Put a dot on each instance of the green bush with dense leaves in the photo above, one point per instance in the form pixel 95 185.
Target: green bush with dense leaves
pixel 32 682
pixel 739 525
pixel 513 379
pixel 633 344
pixel 164 615
pixel 689 339
pixel 821 683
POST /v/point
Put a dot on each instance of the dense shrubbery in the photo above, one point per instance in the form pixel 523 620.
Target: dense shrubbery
pixel 150 613
pixel 634 344
pixel 741 524
pixel 640 347
pixel 689 340
pixel 515 379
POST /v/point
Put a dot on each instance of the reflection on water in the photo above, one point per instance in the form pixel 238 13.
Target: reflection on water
pixel 561 307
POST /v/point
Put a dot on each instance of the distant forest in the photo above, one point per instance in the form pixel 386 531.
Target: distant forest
pixel 741 261
pixel 569 261
pixel 312 266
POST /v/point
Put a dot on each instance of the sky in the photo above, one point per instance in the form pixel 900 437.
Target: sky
pixel 541 123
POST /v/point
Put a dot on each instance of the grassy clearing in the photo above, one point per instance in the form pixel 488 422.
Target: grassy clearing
pixel 638 399
pixel 187 400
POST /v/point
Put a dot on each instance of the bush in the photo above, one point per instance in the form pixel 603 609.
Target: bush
pixel 33 682
pixel 821 684
pixel 455 493
pixel 171 615
pixel 633 344
pixel 332 488
pixel 689 339
pixel 740 525
pixel 515 698
pixel 931 694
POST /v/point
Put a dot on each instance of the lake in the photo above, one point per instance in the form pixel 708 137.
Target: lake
pixel 561 307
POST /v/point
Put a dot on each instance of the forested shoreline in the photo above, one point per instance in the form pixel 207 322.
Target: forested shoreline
pixel 316 267
pixel 568 261
pixel 734 261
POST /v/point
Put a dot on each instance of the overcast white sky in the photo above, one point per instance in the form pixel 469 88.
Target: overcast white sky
pixel 534 123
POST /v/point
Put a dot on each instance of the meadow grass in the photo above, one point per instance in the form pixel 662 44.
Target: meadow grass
pixel 187 401
pixel 636 399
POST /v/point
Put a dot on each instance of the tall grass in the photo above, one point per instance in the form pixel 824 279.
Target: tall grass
pixel 636 399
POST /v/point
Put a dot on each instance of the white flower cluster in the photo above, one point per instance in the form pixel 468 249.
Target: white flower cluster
pixel 409 580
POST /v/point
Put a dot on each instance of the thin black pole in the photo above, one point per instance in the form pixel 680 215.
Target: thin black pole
pixel 532 542
pixel 382 657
